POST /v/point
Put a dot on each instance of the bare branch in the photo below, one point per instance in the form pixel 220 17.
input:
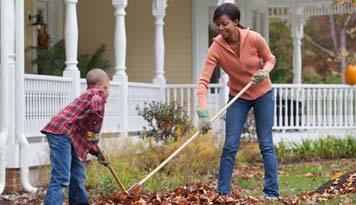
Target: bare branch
pixel 351 21
pixel 332 32
pixel 318 46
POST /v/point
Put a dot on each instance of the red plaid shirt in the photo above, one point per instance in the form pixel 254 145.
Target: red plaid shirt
pixel 83 114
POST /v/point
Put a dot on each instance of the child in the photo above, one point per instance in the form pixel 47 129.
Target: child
pixel 67 135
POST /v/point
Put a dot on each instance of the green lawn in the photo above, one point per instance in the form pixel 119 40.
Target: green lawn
pixel 296 178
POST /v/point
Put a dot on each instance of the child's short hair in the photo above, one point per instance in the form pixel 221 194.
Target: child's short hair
pixel 96 77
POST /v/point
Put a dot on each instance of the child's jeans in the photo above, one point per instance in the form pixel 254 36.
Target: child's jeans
pixel 67 172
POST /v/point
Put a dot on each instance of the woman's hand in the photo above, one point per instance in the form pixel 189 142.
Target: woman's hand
pixel 259 76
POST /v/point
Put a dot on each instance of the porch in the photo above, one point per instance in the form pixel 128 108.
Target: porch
pixel 300 108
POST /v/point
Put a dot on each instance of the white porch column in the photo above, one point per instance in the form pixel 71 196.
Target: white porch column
pixel 71 45
pixel 4 88
pixel 120 62
pixel 159 12
pixel 13 153
pixel 120 40
pixel 20 97
pixel 225 1
pixel 265 25
pixel 297 26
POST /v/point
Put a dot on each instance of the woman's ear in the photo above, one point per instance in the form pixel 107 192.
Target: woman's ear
pixel 236 22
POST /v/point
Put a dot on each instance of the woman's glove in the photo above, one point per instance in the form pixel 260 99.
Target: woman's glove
pixel 204 121
pixel 259 76
pixel 103 160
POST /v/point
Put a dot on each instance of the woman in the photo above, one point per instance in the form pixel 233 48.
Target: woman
pixel 244 56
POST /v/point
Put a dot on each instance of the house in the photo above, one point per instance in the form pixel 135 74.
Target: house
pixel 156 49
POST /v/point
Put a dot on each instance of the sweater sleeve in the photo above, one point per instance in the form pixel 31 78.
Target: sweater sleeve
pixel 208 69
pixel 96 111
pixel 264 52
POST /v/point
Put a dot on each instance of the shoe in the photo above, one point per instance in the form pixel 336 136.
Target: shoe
pixel 270 198
pixel 222 194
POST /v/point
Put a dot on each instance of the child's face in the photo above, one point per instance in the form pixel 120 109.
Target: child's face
pixel 105 86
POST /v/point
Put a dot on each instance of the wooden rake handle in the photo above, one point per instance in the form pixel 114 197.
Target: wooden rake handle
pixel 111 169
pixel 194 136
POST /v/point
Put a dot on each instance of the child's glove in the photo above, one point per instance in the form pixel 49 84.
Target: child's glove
pixel 94 137
pixel 204 121
pixel 103 160
pixel 259 76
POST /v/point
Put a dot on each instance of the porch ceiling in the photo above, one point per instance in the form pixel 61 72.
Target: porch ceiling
pixel 306 8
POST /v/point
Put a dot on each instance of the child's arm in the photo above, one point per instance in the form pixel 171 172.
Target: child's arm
pixel 96 111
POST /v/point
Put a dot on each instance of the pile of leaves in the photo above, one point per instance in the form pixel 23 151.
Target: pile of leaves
pixel 205 194
pixel 345 184
pixel 194 194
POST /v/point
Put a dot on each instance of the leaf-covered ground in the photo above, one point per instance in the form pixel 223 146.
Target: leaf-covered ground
pixel 205 194
pixel 341 181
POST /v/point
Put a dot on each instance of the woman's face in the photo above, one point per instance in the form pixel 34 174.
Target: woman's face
pixel 225 26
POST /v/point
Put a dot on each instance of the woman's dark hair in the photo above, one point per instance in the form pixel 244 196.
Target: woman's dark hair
pixel 229 9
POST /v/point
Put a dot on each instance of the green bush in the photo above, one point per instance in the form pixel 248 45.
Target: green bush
pixel 165 121
pixel 310 76
pixel 51 61
pixel 333 77
pixel 322 148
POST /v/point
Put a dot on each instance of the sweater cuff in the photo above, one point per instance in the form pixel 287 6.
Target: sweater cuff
pixel 94 151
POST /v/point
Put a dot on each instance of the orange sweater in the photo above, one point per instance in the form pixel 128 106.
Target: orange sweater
pixel 254 55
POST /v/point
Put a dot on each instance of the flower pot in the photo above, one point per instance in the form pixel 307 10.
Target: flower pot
pixel 350 74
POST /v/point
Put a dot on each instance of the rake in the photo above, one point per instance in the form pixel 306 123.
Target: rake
pixel 111 170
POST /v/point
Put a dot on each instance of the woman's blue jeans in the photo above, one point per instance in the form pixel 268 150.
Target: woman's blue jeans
pixel 236 116
pixel 67 172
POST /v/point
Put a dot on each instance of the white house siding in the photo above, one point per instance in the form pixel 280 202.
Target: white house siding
pixel 178 39
pixel 96 24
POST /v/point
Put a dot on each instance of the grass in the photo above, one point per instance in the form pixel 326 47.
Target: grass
pixel 199 162
pixel 296 178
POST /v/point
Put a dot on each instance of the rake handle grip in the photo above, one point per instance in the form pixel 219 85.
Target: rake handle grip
pixel 194 136
pixel 111 169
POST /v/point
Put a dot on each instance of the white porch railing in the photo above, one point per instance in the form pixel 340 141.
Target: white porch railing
pixel 298 107
pixel 44 96
pixel 138 94
pixel 185 96
pixel 314 106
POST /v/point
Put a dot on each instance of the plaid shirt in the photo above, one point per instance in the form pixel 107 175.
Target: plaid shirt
pixel 83 114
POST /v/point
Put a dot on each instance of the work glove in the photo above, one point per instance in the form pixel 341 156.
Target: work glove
pixel 94 137
pixel 259 76
pixel 103 160
pixel 204 121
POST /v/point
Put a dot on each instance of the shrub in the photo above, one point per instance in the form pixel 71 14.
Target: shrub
pixel 165 121
pixel 197 162
pixel 51 61
pixel 322 148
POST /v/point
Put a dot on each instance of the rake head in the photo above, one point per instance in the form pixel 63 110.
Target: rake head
pixel 134 189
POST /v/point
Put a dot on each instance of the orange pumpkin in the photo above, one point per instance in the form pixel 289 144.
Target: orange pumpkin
pixel 350 74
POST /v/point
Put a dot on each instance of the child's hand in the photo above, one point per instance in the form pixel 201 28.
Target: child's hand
pixel 94 137
pixel 103 160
